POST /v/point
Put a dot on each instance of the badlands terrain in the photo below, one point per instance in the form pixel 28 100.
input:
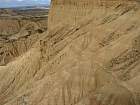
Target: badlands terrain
pixel 19 30
pixel 89 55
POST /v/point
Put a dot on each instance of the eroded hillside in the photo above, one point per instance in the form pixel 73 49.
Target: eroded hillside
pixel 90 55
pixel 19 30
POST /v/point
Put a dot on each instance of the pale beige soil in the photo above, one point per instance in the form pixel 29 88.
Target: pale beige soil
pixel 90 55
pixel 19 30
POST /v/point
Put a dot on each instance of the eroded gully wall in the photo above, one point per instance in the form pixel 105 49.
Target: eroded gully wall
pixel 70 11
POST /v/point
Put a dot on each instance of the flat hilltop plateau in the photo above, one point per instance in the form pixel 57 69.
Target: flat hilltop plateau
pixel 84 52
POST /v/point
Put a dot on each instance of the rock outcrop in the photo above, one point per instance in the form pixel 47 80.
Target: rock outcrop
pixel 70 12
pixel 89 56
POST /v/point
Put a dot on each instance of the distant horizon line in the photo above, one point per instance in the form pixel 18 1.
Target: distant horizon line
pixel 18 6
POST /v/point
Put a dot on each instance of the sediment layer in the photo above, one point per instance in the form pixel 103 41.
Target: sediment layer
pixel 85 58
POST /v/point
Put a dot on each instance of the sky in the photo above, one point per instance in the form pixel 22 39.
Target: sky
pixel 15 3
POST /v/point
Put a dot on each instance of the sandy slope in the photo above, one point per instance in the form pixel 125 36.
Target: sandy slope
pixel 92 60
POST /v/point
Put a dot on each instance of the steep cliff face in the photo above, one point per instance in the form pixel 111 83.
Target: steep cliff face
pixel 86 58
pixel 71 11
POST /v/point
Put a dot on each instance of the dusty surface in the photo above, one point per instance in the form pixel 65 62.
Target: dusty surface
pixel 90 55
pixel 19 29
